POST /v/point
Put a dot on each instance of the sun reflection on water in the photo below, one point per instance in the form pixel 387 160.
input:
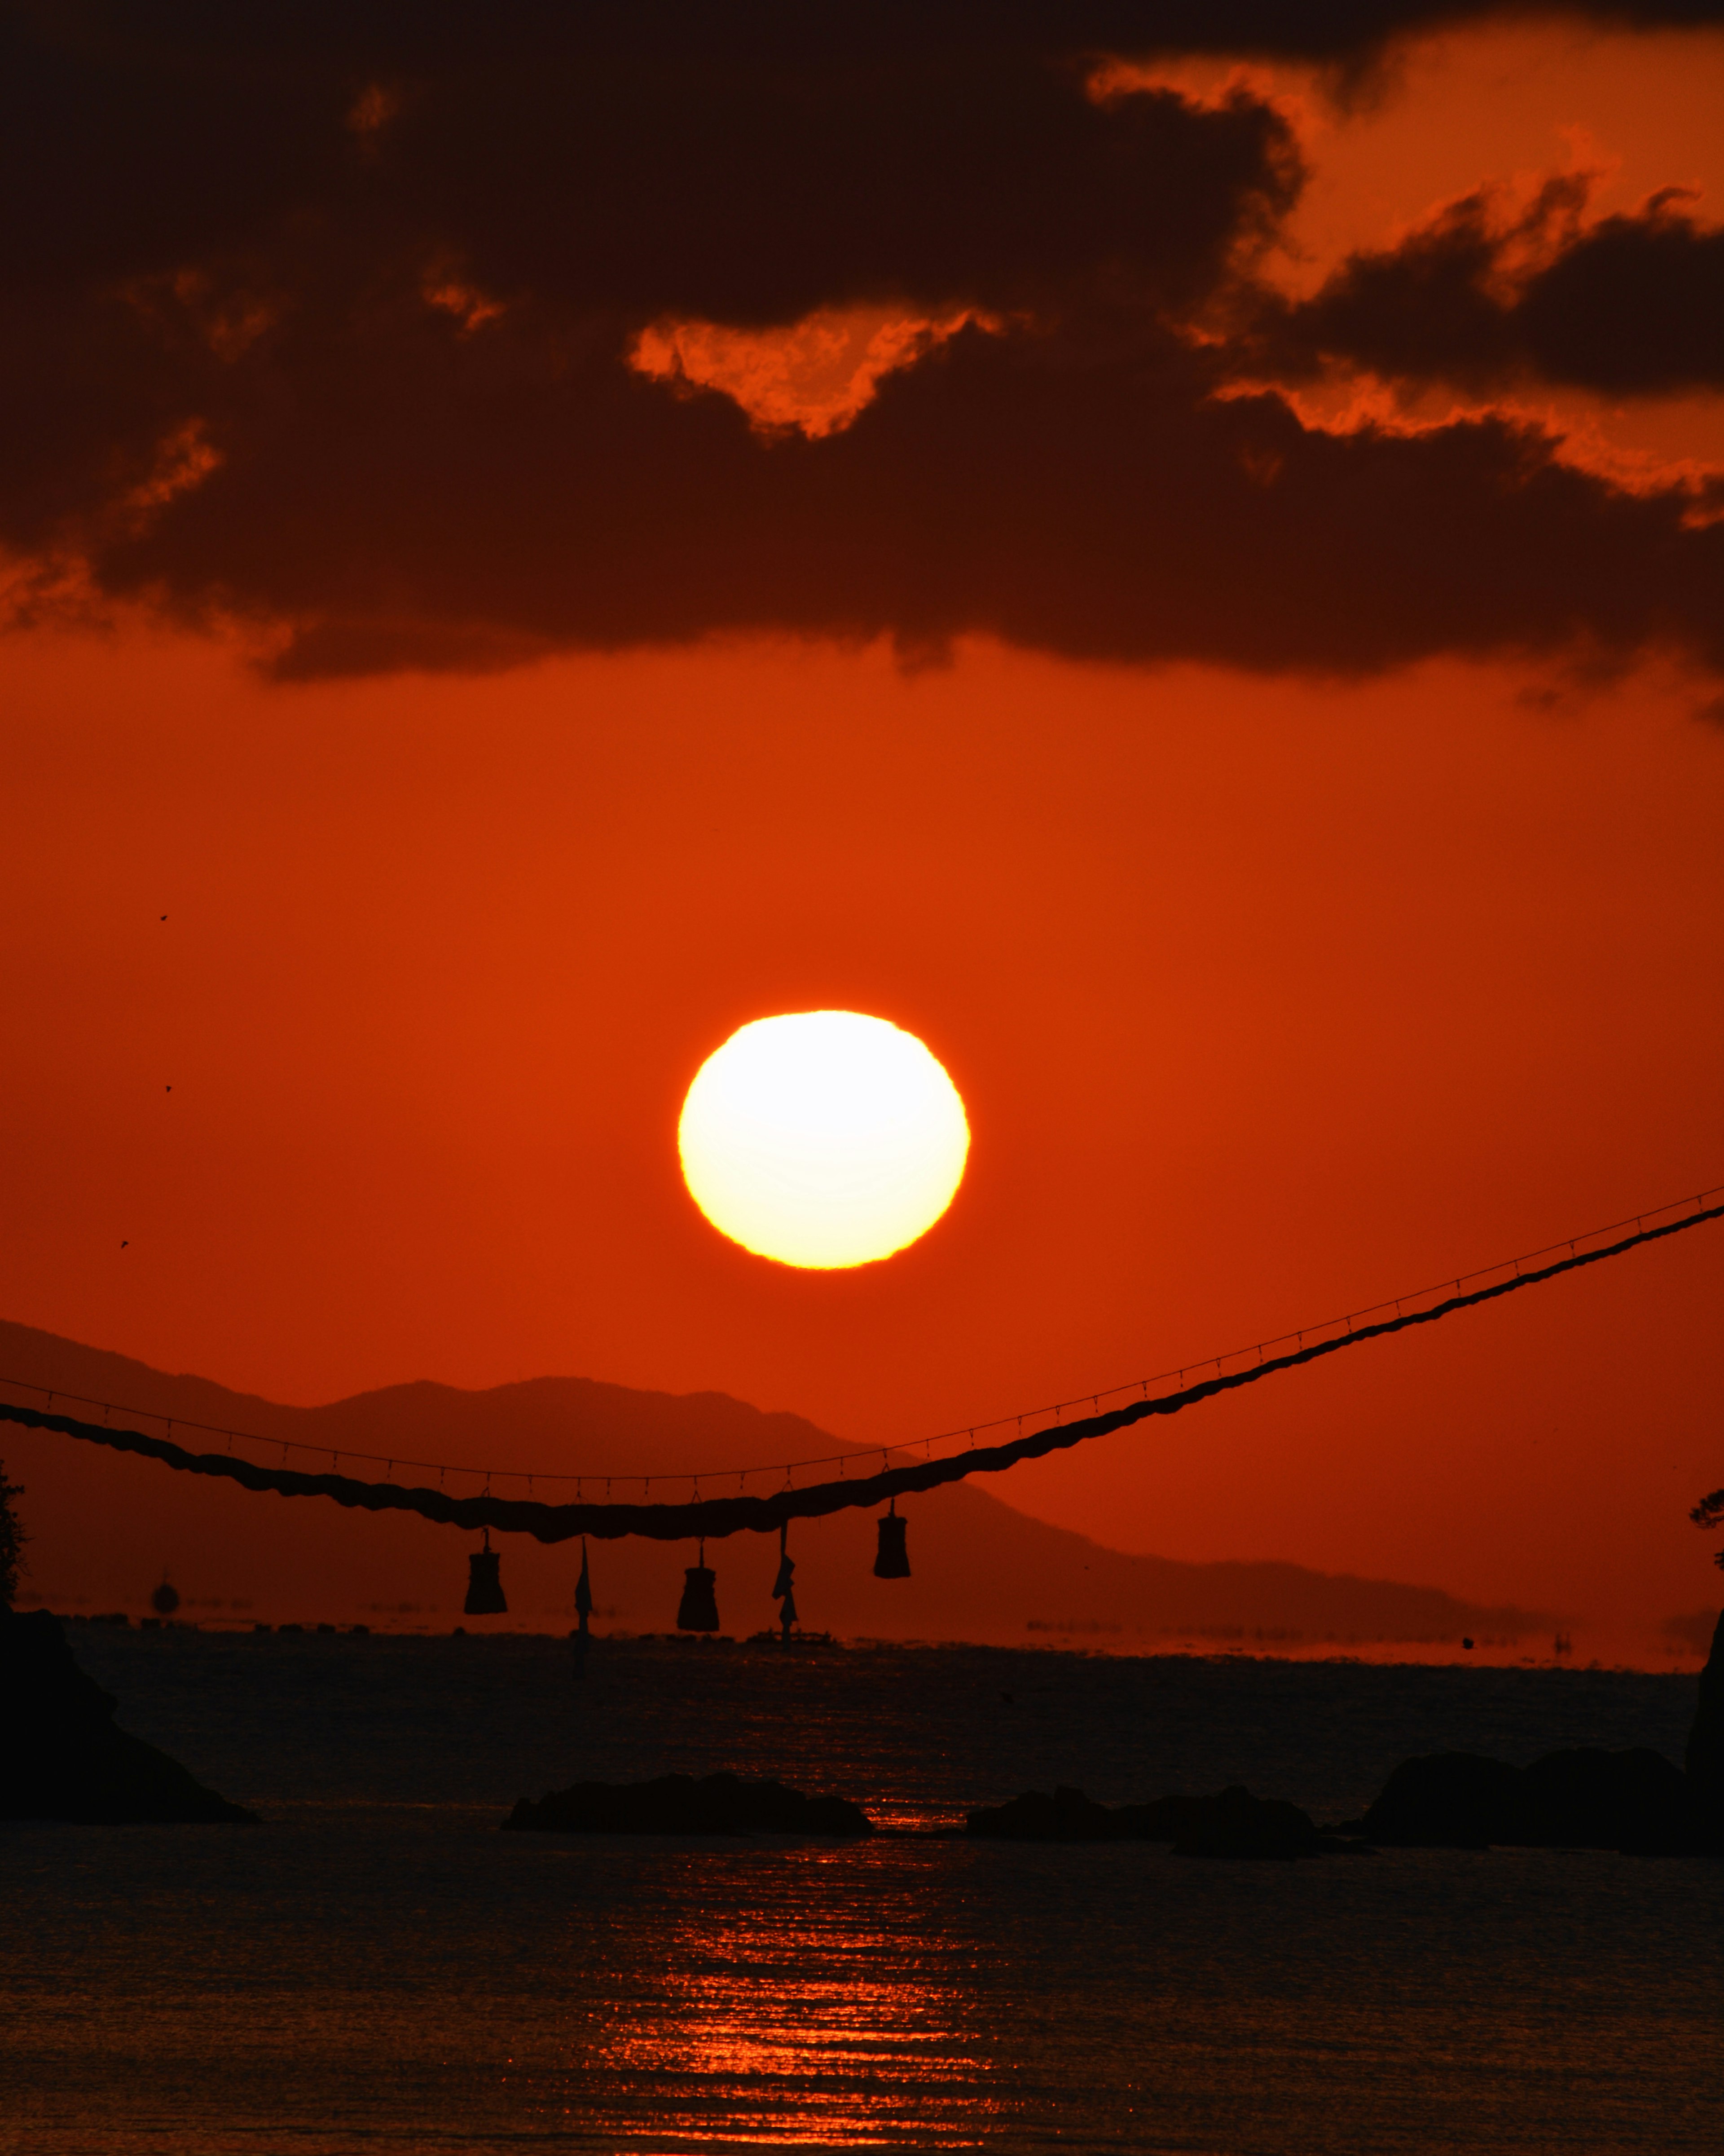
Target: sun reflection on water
pixel 829 2014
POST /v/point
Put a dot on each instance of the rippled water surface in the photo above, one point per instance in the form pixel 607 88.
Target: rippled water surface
pixel 378 1968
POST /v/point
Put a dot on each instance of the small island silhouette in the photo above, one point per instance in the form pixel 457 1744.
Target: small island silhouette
pixel 1634 1801
pixel 61 1756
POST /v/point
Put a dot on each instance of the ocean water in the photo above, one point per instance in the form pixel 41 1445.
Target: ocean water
pixel 378 1968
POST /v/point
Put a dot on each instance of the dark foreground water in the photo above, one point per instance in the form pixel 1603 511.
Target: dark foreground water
pixel 379 1969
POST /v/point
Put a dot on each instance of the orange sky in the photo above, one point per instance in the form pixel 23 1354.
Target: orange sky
pixel 1264 1002
pixel 1266 998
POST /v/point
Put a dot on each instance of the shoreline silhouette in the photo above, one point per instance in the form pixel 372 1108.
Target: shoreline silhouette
pixel 68 1760
pixel 64 1757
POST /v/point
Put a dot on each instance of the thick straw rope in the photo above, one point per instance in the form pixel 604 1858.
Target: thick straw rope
pixel 715 1518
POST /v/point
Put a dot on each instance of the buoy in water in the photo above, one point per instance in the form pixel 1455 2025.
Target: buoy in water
pixel 698 1611
pixel 485 1582
pixel 891 1560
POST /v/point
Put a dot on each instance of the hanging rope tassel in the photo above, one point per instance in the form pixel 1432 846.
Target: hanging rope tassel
pixel 698 1611
pixel 787 1612
pixel 583 1610
pixel 787 1563
pixel 891 1560
pixel 485 1582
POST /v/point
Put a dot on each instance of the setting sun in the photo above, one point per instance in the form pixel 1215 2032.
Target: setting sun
pixel 823 1139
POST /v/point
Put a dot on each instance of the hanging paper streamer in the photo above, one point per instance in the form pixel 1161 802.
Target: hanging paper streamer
pixel 485 1582
pixel 892 1559
pixel 783 1590
pixel 583 1610
pixel 787 1563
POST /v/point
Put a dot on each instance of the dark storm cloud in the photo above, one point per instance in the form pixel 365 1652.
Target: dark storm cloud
pixel 322 316
pixel 1628 305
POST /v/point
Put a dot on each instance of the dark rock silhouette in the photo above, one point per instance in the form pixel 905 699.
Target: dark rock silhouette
pixel 678 1803
pixel 61 1757
pixel 1068 1815
pixel 1232 1823
pixel 1635 1801
pixel 1706 1740
pixel 1448 1801
pixel 1237 1824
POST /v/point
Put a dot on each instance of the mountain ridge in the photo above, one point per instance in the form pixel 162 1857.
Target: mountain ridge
pixel 107 1527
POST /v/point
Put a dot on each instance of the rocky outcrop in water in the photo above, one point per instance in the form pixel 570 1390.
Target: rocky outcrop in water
pixel 1634 1801
pixel 1232 1823
pixel 61 1757
pixel 1068 1815
pixel 1236 1824
pixel 678 1803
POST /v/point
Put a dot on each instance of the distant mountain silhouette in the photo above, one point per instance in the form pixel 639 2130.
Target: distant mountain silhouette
pixel 107 1529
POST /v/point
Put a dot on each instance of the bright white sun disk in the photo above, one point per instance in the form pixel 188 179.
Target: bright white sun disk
pixel 823 1138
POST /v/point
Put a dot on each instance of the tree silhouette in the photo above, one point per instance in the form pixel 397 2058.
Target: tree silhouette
pixel 1709 1513
pixel 12 1539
